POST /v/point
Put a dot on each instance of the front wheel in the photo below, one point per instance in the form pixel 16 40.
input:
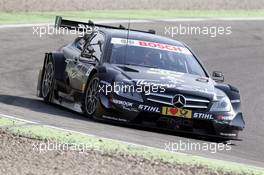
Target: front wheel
pixel 91 97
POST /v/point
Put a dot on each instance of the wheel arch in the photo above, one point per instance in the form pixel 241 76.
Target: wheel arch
pixel 41 74
pixel 89 78
pixel 58 61
pixel 92 73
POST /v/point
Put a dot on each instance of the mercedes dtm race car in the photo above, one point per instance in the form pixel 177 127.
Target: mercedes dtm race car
pixel 126 75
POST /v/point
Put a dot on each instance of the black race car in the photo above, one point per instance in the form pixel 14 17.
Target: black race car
pixel 127 75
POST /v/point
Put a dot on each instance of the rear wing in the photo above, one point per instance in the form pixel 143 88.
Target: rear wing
pixel 77 25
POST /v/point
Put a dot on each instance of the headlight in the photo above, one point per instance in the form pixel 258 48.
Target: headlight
pixel 127 90
pixel 223 105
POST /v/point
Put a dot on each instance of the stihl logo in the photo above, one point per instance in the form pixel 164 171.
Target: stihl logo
pixel 203 116
pixel 149 108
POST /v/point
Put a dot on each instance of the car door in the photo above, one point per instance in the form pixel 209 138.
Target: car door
pixel 80 68
pixel 72 54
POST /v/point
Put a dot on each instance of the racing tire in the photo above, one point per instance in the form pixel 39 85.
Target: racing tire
pixel 91 97
pixel 47 83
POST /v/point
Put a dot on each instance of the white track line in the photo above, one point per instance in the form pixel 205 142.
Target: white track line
pixel 12 117
pixel 147 21
pixel 214 19
pixel 22 25
pixel 45 24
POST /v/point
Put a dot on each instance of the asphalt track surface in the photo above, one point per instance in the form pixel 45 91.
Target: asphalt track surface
pixel 239 55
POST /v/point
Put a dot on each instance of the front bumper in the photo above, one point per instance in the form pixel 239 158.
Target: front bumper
pixel 219 124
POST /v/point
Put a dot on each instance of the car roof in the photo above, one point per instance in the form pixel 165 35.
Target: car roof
pixel 137 35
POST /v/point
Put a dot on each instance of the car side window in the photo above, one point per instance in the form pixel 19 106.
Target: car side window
pixel 97 43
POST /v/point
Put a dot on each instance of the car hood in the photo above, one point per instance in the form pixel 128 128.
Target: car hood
pixel 174 82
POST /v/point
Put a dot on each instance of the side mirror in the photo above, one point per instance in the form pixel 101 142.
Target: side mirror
pixel 218 76
pixel 88 52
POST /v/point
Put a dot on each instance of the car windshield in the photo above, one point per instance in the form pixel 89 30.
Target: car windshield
pixel 155 55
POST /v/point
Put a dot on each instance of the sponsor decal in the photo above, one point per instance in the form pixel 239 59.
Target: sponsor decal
pixel 222 117
pixel 165 73
pixel 88 71
pixel 149 108
pixel 130 109
pixel 73 74
pixel 156 83
pixel 177 112
pixel 235 101
pixel 228 134
pixel 172 79
pixel 83 87
pixel 151 45
pixel 123 103
pixel 144 82
pixel 203 116
pixel 114 118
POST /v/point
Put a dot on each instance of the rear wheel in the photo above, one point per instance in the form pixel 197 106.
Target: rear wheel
pixel 47 82
pixel 91 98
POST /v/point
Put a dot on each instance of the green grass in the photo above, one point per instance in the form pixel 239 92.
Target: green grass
pixel 48 17
pixel 110 146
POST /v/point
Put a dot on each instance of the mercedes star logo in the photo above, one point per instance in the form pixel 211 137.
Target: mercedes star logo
pixel 179 101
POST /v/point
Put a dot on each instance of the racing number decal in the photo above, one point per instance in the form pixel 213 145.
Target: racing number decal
pixel 177 112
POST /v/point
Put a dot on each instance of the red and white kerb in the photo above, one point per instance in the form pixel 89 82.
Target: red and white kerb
pixel 151 45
